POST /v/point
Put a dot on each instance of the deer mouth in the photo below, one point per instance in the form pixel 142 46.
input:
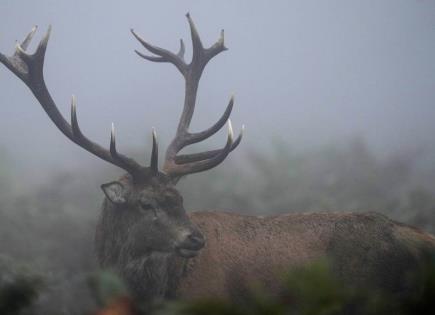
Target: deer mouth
pixel 186 252
pixel 191 245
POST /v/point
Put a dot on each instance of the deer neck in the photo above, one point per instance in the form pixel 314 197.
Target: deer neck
pixel 153 277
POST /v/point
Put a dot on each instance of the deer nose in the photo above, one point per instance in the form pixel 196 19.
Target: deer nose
pixel 196 240
pixel 193 242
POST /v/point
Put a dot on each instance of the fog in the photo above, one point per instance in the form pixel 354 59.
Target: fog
pixel 338 100
pixel 303 72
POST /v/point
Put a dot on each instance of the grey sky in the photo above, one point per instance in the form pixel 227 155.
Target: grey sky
pixel 305 72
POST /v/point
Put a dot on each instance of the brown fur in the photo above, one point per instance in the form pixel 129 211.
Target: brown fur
pixel 366 249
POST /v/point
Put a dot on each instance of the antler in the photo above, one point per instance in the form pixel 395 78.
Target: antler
pixel 29 68
pixel 177 166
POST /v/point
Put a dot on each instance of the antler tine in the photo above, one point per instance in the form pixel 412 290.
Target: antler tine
pixel 113 141
pixel 200 136
pixel 163 54
pixel 178 170
pixel 20 61
pixel 154 154
pixel 26 41
pixel 74 122
pixel 42 47
pixel 180 53
pixel 111 156
pixel 198 48
pixel 194 157
pixel 202 56
pixel 29 68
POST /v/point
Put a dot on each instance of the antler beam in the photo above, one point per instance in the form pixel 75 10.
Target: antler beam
pixel 29 68
pixel 177 166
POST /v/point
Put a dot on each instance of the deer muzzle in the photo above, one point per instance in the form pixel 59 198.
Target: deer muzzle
pixel 191 245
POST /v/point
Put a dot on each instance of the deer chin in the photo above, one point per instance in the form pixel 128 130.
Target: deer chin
pixel 186 253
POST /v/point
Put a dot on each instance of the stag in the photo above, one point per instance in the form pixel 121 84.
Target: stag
pixel 146 236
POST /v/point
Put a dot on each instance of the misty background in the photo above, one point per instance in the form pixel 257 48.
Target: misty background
pixel 338 100
pixel 305 73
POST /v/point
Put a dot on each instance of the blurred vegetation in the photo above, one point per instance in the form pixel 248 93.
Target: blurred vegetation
pixel 19 286
pixel 349 177
pixel 307 290
pixel 313 290
pixel 50 229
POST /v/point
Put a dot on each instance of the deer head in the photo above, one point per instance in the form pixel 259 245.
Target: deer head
pixel 146 194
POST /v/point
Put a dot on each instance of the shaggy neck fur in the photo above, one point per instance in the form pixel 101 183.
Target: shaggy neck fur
pixel 151 276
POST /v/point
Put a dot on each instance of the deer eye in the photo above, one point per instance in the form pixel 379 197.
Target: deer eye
pixel 146 206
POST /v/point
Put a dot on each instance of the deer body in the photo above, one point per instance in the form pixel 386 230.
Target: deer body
pixel 146 236
pixel 365 250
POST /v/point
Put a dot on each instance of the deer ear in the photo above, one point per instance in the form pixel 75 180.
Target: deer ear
pixel 115 192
